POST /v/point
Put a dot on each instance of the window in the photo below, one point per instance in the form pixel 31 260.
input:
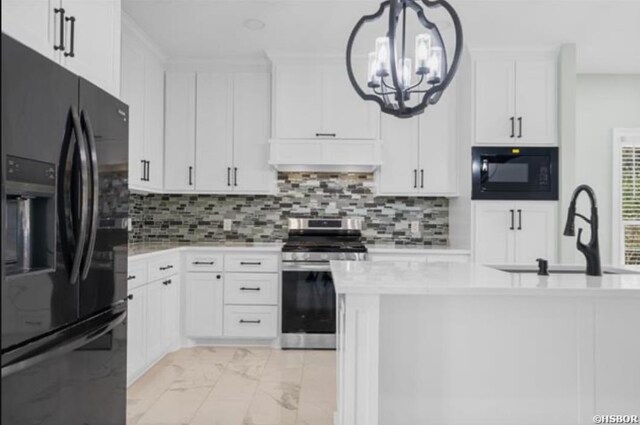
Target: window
pixel 627 194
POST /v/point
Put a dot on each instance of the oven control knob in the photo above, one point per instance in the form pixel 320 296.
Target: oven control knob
pixel 324 256
pixel 342 256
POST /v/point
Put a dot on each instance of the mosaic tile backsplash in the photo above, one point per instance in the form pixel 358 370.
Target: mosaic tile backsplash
pixel 263 218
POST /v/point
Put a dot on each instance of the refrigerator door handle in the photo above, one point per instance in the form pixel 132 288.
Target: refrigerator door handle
pixel 94 190
pixel 81 337
pixel 73 244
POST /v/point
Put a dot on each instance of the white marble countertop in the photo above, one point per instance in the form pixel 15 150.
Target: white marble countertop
pixel 138 250
pixel 441 278
pixel 414 249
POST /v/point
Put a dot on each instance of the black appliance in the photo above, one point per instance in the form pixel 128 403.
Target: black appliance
pixel 308 294
pixel 529 173
pixel 64 179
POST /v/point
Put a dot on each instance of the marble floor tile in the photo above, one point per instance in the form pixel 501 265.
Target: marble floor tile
pixel 236 386
pixel 215 411
pixel 175 407
pixel 274 404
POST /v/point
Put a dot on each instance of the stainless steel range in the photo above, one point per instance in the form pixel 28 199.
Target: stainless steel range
pixel 308 295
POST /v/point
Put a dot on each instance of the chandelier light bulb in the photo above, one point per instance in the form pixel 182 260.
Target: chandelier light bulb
pixel 383 54
pixel 372 71
pixel 423 51
pixel 435 63
pixel 404 72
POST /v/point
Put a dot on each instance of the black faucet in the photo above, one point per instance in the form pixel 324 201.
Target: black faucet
pixel 591 251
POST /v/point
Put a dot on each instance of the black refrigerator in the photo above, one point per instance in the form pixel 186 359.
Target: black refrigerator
pixel 64 245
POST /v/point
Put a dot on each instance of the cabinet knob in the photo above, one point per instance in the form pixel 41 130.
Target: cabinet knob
pixel 218 276
pixel 130 296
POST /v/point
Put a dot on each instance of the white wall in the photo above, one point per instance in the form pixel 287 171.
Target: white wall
pixel 603 102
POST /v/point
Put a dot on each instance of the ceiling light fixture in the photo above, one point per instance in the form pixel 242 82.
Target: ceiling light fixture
pixel 390 76
pixel 253 24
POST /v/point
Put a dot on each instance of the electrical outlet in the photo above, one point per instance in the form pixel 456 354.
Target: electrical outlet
pixel 415 227
pixel 227 224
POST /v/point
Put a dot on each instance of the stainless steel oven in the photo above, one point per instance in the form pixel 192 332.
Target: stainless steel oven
pixel 308 294
pixel 529 173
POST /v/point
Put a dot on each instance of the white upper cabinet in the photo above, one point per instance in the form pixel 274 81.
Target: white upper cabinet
pixel 143 90
pixel 515 232
pixel 297 102
pixel 217 133
pixel 439 148
pixel 398 174
pixel 344 113
pixel 315 100
pixel 82 35
pixel 132 93
pixel 251 130
pixel 419 153
pixel 515 98
pixel 93 41
pixel 494 101
pixel 154 121
pixel 180 123
pixel 34 23
pixel 214 132
pixel 536 95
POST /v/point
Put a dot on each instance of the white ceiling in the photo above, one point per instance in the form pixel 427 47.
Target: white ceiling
pixel 606 32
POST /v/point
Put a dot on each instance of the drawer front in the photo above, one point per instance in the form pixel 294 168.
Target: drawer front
pixel 251 263
pixel 204 262
pixel 137 274
pixel 250 321
pixel 251 288
pixel 164 267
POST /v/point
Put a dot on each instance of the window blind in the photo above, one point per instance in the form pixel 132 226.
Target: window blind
pixel 630 198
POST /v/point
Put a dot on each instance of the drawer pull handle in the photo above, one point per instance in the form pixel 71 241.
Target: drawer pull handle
pixel 250 263
pixel 250 321
pixel 204 263
pixel 244 288
pixel 166 267
pixel 131 277
pixel 167 282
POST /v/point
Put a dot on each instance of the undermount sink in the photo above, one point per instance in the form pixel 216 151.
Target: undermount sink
pixel 563 270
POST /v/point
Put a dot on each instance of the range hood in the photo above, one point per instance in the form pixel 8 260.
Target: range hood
pixel 322 155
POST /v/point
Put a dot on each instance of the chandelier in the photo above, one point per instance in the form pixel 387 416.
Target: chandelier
pixel 401 86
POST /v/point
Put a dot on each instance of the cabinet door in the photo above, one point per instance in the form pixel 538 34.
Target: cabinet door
pixel 536 101
pixel 205 298
pixel 154 121
pixel 33 23
pixel 398 174
pixel 297 101
pixel 154 321
pixel 438 160
pixel 180 123
pixel 171 311
pixel 214 132
pixel 494 101
pixel 536 232
pixel 494 232
pixel 252 172
pixel 344 113
pixel 132 93
pixel 136 331
pixel 96 41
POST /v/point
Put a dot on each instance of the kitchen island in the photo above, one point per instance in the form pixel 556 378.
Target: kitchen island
pixel 452 343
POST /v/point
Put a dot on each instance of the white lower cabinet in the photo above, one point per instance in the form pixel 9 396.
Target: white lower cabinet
pixel 250 321
pixel 515 232
pixel 204 305
pixel 153 322
pixel 136 341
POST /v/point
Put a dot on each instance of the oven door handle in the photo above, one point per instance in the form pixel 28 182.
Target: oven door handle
pixel 303 266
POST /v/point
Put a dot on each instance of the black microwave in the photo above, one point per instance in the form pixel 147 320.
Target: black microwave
pixel 529 173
